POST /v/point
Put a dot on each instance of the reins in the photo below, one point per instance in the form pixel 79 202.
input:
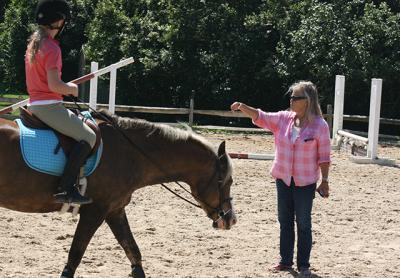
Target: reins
pixel 221 213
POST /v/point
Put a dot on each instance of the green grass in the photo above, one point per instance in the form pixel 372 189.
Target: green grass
pixel 5 104
pixel 18 96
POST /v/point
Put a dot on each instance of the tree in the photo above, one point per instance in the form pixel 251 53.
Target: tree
pixel 357 39
pixel 13 40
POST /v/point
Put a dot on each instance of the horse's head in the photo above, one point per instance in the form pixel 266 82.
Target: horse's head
pixel 215 195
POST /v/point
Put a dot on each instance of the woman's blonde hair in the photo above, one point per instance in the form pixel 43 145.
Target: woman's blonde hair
pixel 35 42
pixel 310 91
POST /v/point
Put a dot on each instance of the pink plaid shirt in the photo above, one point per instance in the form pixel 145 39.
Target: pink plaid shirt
pixel 300 159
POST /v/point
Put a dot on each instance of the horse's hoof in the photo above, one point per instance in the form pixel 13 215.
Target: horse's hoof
pixel 67 273
pixel 137 272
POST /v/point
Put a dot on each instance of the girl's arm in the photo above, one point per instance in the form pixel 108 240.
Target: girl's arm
pixel 60 87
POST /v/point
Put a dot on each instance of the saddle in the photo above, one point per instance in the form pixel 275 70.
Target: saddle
pixel 65 142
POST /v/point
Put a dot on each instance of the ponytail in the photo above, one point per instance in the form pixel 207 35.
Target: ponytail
pixel 35 42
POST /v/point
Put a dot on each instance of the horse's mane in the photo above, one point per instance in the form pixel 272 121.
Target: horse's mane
pixel 164 131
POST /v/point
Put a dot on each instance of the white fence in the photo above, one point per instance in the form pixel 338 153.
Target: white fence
pixel 340 136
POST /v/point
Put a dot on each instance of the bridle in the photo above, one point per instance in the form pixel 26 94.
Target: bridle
pixel 221 213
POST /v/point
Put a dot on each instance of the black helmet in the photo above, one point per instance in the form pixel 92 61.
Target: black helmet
pixel 50 11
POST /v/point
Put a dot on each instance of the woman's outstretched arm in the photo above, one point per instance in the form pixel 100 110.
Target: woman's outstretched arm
pixel 249 111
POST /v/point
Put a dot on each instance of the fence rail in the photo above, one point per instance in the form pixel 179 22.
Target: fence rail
pixel 11 100
pixel 219 113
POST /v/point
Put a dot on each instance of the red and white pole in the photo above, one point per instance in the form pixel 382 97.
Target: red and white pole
pixel 77 81
pixel 252 156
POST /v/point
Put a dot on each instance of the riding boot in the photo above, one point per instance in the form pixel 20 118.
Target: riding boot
pixel 67 190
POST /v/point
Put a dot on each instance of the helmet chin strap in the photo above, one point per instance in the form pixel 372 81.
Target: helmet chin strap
pixel 59 28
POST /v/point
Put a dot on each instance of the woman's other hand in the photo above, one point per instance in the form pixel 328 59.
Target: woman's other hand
pixel 323 189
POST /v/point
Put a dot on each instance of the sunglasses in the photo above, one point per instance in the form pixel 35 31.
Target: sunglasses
pixel 294 98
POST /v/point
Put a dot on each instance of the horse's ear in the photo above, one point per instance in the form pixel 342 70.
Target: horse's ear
pixel 221 149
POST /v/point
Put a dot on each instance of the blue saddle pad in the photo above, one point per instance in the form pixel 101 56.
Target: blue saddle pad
pixel 37 148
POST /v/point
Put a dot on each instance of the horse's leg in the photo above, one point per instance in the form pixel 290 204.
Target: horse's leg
pixel 120 227
pixel 91 217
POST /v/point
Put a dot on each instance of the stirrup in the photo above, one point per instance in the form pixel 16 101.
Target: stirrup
pixel 72 197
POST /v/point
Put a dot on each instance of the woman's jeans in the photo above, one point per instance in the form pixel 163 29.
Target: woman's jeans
pixel 295 203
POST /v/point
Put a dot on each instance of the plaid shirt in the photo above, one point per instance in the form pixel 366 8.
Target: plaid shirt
pixel 300 159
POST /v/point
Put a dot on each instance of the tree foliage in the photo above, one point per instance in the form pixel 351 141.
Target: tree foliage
pixel 220 51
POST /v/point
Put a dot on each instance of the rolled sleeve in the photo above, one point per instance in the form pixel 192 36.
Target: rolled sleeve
pixel 269 121
pixel 324 144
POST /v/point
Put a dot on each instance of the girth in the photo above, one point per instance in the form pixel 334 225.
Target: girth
pixel 65 142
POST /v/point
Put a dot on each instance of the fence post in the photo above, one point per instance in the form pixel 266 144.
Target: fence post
pixel 82 62
pixel 338 106
pixel 329 118
pixel 374 116
pixel 113 87
pixel 191 110
pixel 94 66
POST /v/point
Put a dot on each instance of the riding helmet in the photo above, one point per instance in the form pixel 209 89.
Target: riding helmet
pixel 50 11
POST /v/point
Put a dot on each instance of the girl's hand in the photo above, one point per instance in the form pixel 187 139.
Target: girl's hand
pixel 73 89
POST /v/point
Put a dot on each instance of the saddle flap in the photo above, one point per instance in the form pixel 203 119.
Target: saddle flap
pixel 65 142
pixel 31 120
pixel 37 149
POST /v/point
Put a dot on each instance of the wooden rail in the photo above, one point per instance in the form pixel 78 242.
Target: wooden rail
pixel 220 113
pixel 11 100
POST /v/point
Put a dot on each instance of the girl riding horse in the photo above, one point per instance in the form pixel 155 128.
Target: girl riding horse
pixel 43 66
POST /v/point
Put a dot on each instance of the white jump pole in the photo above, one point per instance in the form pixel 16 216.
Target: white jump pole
pixel 113 85
pixel 352 136
pixel 94 66
pixel 338 108
pixel 255 156
pixel 113 80
pixel 374 116
pixel 373 127
pixel 77 81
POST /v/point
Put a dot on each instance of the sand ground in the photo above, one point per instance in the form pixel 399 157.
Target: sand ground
pixel 356 230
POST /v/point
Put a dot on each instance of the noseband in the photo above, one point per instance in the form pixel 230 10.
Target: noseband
pixel 222 215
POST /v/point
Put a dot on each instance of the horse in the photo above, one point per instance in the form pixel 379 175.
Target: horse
pixel 136 153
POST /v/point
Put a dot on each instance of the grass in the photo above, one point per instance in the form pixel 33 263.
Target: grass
pixel 4 104
pixel 14 113
pixel 18 96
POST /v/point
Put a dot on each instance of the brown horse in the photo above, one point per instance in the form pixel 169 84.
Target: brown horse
pixel 136 153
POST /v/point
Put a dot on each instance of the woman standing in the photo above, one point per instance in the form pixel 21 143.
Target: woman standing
pixel 302 153
pixel 43 66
